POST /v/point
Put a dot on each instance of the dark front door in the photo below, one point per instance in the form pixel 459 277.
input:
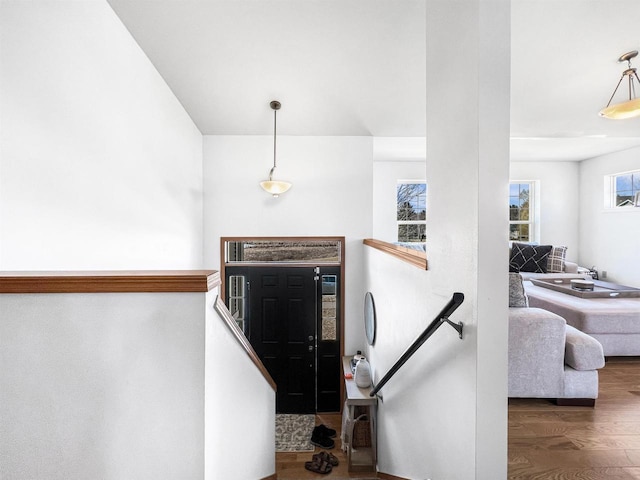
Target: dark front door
pixel 283 332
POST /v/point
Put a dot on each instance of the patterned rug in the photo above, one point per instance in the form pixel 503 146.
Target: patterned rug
pixel 293 432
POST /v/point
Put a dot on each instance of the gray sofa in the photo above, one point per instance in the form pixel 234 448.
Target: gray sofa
pixel 571 270
pixel 551 262
pixel 547 357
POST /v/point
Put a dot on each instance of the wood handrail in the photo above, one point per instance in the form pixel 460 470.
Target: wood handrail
pixel 117 281
pixel 414 257
pixel 230 322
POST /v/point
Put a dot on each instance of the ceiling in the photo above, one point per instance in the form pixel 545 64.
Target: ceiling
pixel 357 67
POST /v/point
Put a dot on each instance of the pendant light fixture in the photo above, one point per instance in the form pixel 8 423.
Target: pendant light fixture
pixel 275 187
pixel 631 107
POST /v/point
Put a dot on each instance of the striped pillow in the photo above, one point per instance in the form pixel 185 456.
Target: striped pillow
pixel 555 260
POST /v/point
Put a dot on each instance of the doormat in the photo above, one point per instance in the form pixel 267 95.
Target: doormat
pixel 293 432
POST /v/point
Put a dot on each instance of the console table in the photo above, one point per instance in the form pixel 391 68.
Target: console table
pixel 358 401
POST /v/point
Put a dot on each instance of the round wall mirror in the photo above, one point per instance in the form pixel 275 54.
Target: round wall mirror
pixel 369 318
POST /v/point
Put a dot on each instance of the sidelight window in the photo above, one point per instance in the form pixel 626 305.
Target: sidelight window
pixel 238 299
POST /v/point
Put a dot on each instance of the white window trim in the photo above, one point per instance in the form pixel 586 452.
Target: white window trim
pixel 409 222
pixel 610 195
pixel 534 210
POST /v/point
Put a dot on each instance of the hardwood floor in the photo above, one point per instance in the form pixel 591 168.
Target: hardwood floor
pixel 547 442
pixel 290 466
pixel 566 443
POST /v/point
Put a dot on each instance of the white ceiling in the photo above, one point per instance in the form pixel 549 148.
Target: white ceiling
pixel 357 67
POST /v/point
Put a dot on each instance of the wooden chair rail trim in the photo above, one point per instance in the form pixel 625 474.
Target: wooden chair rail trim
pixel 230 322
pixel 414 257
pixel 141 281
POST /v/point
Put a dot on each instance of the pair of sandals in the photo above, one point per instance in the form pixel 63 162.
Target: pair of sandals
pixel 322 462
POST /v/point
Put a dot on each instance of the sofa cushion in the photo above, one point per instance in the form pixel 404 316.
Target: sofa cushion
pixel 536 353
pixel 517 297
pixel 556 259
pixel 529 258
pixel 582 352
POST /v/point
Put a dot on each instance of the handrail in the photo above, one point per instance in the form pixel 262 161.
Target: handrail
pixel 109 281
pixel 442 317
pixel 414 257
pixel 231 324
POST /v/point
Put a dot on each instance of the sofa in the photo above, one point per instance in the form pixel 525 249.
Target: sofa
pixel 536 261
pixel 547 357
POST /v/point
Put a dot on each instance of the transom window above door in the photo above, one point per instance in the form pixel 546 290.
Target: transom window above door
pixel 290 250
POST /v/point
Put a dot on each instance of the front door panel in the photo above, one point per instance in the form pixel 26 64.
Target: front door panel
pixel 282 331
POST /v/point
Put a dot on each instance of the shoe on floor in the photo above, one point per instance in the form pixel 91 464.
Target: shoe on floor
pixel 326 457
pixel 318 467
pixel 324 442
pixel 324 431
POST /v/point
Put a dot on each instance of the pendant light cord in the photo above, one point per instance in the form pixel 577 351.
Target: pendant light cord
pixel 275 115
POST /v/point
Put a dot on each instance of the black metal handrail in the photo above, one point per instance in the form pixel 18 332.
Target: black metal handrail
pixel 442 317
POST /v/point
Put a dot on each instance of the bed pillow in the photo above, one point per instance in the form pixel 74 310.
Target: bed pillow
pixel 517 297
pixel 555 260
pixel 529 258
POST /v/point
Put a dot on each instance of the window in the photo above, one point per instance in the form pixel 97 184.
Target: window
pixel 411 211
pixel 283 250
pixel 624 188
pixel 329 308
pixel 238 299
pixel 521 212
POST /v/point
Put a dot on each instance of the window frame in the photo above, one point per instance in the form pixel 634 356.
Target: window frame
pixel 411 222
pixel 533 215
pixel 611 192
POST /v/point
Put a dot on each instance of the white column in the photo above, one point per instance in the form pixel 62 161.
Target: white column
pixel 468 70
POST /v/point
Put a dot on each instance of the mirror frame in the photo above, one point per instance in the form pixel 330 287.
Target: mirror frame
pixel 370 318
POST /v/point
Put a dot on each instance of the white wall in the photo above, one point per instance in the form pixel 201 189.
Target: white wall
pixel 609 240
pixel 331 195
pixel 240 417
pixel 135 385
pixel 445 415
pixel 385 181
pixel 100 166
pixel 558 195
pixel 107 386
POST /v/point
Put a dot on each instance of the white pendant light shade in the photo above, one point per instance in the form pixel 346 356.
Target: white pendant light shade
pixel 631 107
pixel 274 187
pixel 620 111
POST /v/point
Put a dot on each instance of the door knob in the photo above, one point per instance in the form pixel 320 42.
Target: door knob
pixel 311 338
pixel 311 348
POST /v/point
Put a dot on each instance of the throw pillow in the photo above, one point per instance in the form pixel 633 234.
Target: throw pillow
pixel 555 260
pixel 517 297
pixel 529 258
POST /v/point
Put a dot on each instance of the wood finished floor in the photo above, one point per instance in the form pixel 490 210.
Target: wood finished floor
pixel 290 466
pixel 547 442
